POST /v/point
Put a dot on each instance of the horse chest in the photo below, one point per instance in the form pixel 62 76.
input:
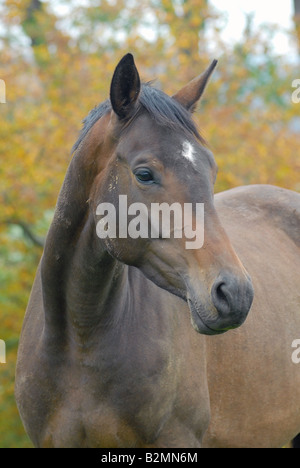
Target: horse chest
pixel 121 405
pixel 96 426
pixel 113 421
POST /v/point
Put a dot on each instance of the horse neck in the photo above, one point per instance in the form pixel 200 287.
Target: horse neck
pixel 79 277
pixel 96 288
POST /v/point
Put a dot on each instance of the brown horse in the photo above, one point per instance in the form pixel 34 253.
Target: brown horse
pixel 109 355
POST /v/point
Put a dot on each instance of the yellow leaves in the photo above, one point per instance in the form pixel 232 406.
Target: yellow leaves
pixel 16 9
pixel 196 22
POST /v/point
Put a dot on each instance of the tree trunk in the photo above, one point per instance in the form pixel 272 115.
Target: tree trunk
pixel 30 24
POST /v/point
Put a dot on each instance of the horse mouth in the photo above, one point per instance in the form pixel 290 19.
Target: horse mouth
pixel 200 320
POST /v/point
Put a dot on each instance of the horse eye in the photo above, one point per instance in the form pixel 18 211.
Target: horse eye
pixel 144 176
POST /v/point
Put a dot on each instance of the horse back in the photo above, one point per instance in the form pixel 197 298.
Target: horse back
pixel 254 384
pixel 260 203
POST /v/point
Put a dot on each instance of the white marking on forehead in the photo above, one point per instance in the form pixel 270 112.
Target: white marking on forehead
pixel 188 151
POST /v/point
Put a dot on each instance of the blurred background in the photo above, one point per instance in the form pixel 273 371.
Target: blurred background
pixel 57 60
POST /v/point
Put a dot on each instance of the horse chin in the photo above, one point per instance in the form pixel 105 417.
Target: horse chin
pixel 206 326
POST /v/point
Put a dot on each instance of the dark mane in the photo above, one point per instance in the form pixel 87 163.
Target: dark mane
pixel 90 121
pixel 163 109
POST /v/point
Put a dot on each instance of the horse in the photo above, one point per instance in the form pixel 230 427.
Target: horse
pixel 139 341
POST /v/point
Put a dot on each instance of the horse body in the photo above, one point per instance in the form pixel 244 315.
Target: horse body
pixel 254 385
pixel 109 355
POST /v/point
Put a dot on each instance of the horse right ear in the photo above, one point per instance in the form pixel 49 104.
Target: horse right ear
pixel 189 96
pixel 125 88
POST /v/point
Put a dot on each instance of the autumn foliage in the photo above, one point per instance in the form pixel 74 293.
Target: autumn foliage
pixel 57 67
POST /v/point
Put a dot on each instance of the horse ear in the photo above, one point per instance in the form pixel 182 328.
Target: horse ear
pixel 189 96
pixel 125 87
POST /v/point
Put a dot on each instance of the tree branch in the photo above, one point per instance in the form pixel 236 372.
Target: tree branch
pixel 36 240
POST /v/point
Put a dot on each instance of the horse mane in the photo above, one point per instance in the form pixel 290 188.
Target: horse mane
pixel 165 110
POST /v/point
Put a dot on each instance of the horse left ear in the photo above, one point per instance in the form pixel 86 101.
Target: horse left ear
pixel 189 96
pixel 125 87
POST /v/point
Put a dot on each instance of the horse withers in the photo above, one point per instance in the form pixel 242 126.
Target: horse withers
pixel 109 355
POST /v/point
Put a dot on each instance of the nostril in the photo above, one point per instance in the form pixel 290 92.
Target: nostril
pixel 221 297
pixel 232 298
